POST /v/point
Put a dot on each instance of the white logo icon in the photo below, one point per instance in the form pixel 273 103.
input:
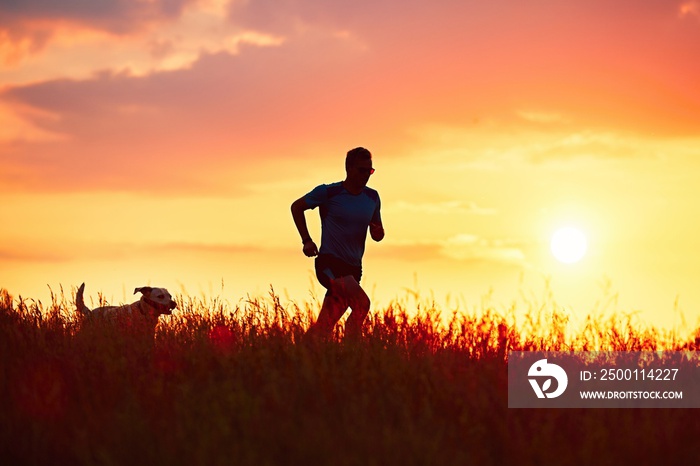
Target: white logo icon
pixel 542 369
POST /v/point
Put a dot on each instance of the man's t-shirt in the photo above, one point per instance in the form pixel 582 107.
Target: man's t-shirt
pixel 344 219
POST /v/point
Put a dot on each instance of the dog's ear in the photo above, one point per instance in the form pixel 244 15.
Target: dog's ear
pixel 143 289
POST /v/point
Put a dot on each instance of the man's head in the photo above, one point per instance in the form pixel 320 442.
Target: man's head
pixel 358 165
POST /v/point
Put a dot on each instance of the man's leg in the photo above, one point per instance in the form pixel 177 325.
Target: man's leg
pixel 358 301
pixel 333 308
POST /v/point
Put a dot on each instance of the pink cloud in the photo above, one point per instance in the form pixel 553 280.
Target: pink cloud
pixel 29 26
pixel 351 71
pixel 690 8
pixel 225 111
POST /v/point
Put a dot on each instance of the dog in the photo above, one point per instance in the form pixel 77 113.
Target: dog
pixel 139 317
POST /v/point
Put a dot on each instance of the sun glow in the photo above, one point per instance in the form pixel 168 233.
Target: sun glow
pixel 568 245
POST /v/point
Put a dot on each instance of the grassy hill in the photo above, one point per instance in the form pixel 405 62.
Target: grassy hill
pixel 236 384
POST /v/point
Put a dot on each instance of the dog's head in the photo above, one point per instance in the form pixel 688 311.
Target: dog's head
pixel 158 298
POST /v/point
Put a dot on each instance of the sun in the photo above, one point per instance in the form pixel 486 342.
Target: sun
pixel 568 245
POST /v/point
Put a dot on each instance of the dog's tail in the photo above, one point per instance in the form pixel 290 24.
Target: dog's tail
pixel 79 302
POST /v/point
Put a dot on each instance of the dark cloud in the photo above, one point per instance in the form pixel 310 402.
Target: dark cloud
pixel 117 16
pixel 28 26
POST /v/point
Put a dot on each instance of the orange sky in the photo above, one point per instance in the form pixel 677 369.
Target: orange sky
pixel 162 141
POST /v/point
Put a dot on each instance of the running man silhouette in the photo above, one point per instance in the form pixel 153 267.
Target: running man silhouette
pixel 348 209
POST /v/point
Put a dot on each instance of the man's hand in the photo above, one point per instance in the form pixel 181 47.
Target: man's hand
pixel 376 231
pixel 310 249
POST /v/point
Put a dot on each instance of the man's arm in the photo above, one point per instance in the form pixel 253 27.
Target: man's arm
pixel 376 231
pixel 376 228
pixel 298 208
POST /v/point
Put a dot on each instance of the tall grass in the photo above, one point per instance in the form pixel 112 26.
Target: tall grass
pixel 235 384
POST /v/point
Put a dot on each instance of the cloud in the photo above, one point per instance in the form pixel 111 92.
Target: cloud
pixel 208 248
pixel 608 146
pixel 689 8
pixel 408 251
pixel 290 17
pixel 483 148
pixel 585 145
pixel 17 44
pixel 444 208
pixel 471 248
pixel 117 16
pixel 195 124
pixel 204 90
pixel 79 50
pixel 20 255
pixel 15 127
pixel 541 117
pixel 28 27
pixel 461 248
pixel 70 251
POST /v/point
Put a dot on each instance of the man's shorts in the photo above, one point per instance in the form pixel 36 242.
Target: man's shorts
pixel 329 267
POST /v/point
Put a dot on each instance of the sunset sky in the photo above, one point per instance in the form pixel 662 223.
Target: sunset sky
pixel 162 142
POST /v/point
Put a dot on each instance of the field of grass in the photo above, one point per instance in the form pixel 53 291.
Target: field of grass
pixel 233 384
